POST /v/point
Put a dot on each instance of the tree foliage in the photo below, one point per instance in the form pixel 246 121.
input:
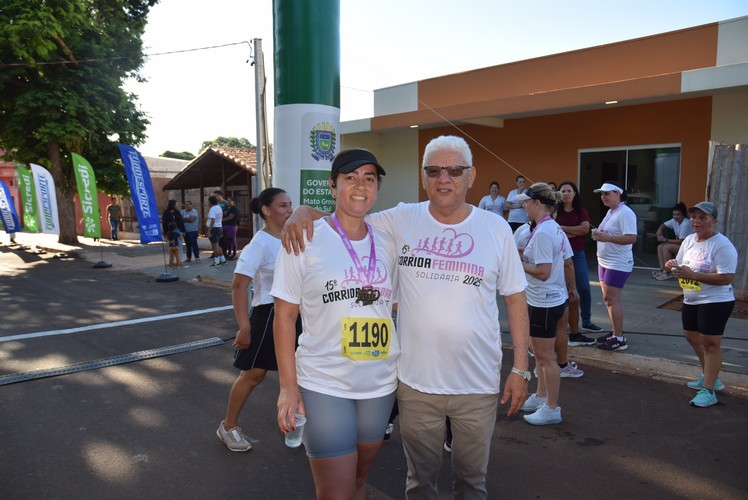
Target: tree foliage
pixel 230 142
pixel 184 155
pixel 62 69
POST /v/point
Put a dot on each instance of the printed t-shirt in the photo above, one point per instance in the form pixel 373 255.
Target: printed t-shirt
pixel 495 206
pixel 713 255
pixel 548 245
pixel 323 280
pixel 448 276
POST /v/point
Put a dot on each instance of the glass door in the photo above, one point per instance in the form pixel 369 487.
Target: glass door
pixel 651 177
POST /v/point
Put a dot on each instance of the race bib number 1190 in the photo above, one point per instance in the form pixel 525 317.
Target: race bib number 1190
pixel 366 339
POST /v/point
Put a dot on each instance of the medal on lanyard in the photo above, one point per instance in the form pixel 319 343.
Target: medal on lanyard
pixel 366 294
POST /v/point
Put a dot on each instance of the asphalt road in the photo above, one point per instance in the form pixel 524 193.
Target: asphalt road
pixel 146 429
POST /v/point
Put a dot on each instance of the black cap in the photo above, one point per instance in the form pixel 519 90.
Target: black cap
pixel 349 160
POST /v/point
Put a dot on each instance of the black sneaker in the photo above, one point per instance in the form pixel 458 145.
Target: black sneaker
pixel 613 344
pixel 591 327
pixel 604 338
pixel 578 339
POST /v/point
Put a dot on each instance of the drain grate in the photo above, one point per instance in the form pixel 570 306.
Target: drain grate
pixel 13 378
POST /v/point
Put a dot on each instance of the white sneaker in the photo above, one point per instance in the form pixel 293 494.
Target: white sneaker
pixel 233 438
pixel 544 416
pixel 571 371
pixel 532 403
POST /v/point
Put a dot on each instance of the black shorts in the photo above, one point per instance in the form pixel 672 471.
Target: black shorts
pixel 215 234
pixel 707 319
pixel 261 350
pixel 544 320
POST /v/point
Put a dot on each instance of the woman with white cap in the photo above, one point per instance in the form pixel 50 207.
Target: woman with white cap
pixel 615 239
pixel 705 266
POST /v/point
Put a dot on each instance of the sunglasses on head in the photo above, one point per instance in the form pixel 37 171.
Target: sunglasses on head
pixel 453 171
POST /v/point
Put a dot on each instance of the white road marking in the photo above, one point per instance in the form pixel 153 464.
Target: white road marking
pixel 114 324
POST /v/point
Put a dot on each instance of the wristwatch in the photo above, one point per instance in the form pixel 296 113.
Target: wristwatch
pixel 522 373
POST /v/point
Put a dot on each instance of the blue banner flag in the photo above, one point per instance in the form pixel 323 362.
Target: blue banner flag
pixel 8 212
pixel 141 192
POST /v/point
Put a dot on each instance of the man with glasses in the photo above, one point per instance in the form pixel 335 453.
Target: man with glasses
pixel 452 260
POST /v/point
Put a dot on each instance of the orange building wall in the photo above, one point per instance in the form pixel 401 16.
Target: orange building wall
pixel 546 148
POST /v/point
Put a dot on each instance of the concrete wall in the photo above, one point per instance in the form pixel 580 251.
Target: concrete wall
pixel 730 118
pixel 398 153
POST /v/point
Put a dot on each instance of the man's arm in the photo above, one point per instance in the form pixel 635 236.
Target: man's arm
pixel 302 219
pixel 519 328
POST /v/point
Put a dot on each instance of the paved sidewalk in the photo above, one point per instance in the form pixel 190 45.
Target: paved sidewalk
pixel 656 349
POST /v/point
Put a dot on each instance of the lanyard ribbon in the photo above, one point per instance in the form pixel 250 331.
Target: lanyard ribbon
pixel 365 277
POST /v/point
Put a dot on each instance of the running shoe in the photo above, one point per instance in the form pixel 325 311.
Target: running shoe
pixel 604 338
pixel 699 384
pixel 577 339
pixel 532 403
pixel 233 438
pixel 613 344
pixel 216 264
pixel 571 370
pixel 544 416
pixel 591 327
pixel 704 398
pixel 664 275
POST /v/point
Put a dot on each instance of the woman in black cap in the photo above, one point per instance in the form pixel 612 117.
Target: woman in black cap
pixel 343 375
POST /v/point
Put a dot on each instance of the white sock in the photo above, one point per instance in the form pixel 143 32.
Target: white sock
pixel 217 260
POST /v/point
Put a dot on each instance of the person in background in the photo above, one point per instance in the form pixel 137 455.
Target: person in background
pixel 705 267
pixel 615 239
pixel 553 185
pixel 575 222
pixel 230 226
pixel 224 205
pixel 215 230
pixel 493 202
pixel 543 260
pixel 191 221
pixel 171 214
pixel 114 214
pixel 173 237
pixel 254 341
pixel 448 320
pixel 517 214
pixel 668 247
pixel 343 287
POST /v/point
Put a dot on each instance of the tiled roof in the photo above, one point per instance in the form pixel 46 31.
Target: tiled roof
pixel 246 157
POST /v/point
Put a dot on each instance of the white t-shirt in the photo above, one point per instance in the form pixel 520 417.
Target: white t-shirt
pixel 323 280
pixel 216 213
pixel 621 220
pixel 681 229
pixel 522 235
pixel 496 206
pixel 713 255
pixel 516 214
pixel 448 276
pixel 548 245
pixel 257 261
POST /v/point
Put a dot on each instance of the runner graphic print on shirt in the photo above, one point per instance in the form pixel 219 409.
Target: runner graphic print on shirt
pixel 444 255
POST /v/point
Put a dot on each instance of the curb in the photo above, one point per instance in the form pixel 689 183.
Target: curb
pixel 736 384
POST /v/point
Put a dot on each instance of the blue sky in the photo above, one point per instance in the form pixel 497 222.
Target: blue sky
pixel 197 96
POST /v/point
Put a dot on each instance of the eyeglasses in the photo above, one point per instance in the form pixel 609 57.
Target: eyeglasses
pixel 453 171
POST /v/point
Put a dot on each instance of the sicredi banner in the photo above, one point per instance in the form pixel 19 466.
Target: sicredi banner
pixel 141 192
pixel 88 194
pixel 28 200
pixel 46 198
pixel 8 210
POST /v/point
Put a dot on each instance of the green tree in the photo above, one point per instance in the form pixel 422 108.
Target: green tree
pixel 184 155
pixel 229 142
pixel 62 69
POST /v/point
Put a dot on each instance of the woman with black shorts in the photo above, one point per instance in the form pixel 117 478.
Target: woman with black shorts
pixel 254 342
pixel 705 266
pixel 544 261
